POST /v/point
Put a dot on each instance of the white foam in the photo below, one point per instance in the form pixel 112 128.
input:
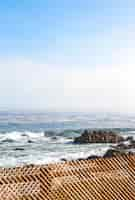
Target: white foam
pixel 61 140
pixel 22 136
pixel 45 149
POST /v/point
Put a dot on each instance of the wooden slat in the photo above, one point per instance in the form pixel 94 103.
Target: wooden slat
pixel 100 179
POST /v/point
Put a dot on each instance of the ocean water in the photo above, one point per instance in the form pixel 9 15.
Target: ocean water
pixel 47 137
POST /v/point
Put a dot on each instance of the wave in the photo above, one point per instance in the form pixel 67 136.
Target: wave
pixel 50 136
pixel 20 158
pixel 20 136
pixel 30 137
pixel 27 147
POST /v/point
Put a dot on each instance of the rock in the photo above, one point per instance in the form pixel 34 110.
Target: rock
pixel 24 135
pixel 70 138
pixel 112 152
pixel 93 157
pixel 8 140
pixel 30 141
pixel 125 145
pixel 129 138
pixel 122 146
pixel 99 136
pixel 63 159
pixel 132 143
pixel 49 133
pixel 54 138
pixel 109 154
pixel 19 149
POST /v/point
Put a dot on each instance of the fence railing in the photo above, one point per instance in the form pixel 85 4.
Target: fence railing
pixel 100 179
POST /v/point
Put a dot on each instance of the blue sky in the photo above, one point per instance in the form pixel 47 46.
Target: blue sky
pixel 44 27
pixel 47 45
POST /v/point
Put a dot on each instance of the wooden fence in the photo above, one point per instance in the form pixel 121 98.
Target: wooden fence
pixel 101 179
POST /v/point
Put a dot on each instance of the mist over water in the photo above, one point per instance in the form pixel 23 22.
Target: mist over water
pixel 40 138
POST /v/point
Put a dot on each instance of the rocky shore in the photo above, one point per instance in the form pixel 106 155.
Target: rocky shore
pixel 119 145
pixel 98 136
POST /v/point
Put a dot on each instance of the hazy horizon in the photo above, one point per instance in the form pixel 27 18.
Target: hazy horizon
pixel 67 56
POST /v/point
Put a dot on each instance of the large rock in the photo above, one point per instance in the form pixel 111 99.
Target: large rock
pixel 130 138
pixel 125 145
pixel 113 153
pixel 99 136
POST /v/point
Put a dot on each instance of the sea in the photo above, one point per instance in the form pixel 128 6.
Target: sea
pixel 47 137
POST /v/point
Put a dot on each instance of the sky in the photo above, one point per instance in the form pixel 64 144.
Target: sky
pixel 67 55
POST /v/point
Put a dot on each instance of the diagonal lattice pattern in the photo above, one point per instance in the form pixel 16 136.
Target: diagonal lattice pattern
pixel 100 179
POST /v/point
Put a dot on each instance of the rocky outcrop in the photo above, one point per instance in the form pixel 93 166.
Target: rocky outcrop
pixel 129 138
pixel 98 136
pixel 93 157
pixel 109 154
pixel 114 152
pixel 125 146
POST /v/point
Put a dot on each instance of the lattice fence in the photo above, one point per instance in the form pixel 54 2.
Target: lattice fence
pixel 101 179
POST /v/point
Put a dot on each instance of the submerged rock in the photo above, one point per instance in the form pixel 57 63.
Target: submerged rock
pixel 8 140
pixel 99 136
pixel 30 141
pixel 70 138
pixel 19 149
pixel 54 138
pixel 49 133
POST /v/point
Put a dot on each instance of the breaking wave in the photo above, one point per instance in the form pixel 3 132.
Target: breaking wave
pixel 28 147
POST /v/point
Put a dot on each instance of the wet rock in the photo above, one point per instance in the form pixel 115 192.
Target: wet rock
pixel 30 141
pixel 70 138
pixel 122 146
pixel 8 140
pixel 49 133
pixel 93 157
pixel 112 152
pixel 129 138
pixel 98 136
pixel 54 138
pixel 19 149
pixel 24 135
pixel 125 145
pixel 63 159
pixel 132 143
